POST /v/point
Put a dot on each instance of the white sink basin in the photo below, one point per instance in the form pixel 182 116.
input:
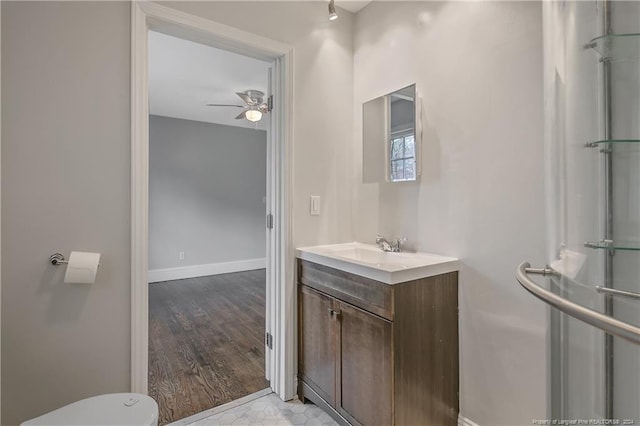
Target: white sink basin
pixel 369 261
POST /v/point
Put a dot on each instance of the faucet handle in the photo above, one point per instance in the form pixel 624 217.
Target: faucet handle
pixel 397 244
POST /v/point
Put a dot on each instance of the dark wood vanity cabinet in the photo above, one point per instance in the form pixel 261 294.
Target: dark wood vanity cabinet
pixel 341 344
pixel 377 354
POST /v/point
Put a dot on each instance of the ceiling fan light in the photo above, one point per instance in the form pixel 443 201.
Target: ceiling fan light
pixel 253 115
pixel 333 15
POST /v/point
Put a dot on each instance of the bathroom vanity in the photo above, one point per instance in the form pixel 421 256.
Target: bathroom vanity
pixel 378 335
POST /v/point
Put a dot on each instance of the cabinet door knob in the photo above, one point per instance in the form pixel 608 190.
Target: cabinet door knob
pixel 334 313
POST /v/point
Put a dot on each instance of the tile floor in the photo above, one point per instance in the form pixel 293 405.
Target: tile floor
pixel 270 410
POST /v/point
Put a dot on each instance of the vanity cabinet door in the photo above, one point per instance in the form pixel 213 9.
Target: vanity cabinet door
pixel 366 366
pixel 317 337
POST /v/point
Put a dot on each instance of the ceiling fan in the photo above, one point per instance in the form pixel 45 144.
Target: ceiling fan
pixel 254 108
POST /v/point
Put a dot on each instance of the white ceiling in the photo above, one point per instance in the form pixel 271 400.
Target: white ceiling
pixel 184 76
pixel 353 6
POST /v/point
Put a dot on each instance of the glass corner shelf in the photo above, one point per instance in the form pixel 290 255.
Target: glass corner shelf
pixel 616 47
pixel 614 245
pixel 596 144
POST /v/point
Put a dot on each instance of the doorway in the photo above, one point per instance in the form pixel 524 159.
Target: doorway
pixel 279 294
pixel 208 131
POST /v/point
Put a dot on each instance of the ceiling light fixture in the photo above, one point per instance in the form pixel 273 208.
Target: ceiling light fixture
pixel 333 15
pixel 254 107
pixel 253 115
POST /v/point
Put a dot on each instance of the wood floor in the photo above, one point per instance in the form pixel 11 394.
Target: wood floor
pixel 206 342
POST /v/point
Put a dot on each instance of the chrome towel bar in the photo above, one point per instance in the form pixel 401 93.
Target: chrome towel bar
pixel 594 318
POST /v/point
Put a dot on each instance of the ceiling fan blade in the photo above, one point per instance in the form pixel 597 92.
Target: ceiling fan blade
pixel 264 108
pixel 226 105
pixel 241 115
pixel 245 98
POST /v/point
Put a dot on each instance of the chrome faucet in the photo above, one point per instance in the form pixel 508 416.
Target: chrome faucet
pixel 394 246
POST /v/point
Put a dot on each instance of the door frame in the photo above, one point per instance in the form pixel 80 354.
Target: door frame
pixel 0 215
pixel 280 285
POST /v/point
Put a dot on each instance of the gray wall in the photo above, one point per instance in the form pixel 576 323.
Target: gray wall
pixel 480 196
pixel 206 184
pixel 66 178
pixel 65 186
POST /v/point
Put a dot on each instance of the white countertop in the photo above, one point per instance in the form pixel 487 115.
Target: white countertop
pixel 369 261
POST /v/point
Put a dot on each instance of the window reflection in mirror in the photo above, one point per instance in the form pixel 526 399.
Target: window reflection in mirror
pixel 403 157
pixel 390 143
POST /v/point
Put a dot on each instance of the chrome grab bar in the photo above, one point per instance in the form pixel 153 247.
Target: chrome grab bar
pixel 594 318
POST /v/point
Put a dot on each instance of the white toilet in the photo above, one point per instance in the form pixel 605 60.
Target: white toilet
pixel 122 409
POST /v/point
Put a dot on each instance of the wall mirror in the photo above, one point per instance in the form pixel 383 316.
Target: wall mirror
pixel 391 137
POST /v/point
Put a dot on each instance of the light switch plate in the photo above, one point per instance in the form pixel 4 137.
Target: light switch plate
pixel 314 205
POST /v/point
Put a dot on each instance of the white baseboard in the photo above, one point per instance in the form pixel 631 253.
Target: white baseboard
pixel 463 421
pixel 168 274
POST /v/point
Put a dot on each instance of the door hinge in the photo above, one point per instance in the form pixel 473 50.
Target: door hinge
pixel 268 340
pixel 270 103
pixel 269 221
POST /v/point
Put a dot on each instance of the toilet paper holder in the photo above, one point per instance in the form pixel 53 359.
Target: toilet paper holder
pixel 57 258
pixel 81 267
